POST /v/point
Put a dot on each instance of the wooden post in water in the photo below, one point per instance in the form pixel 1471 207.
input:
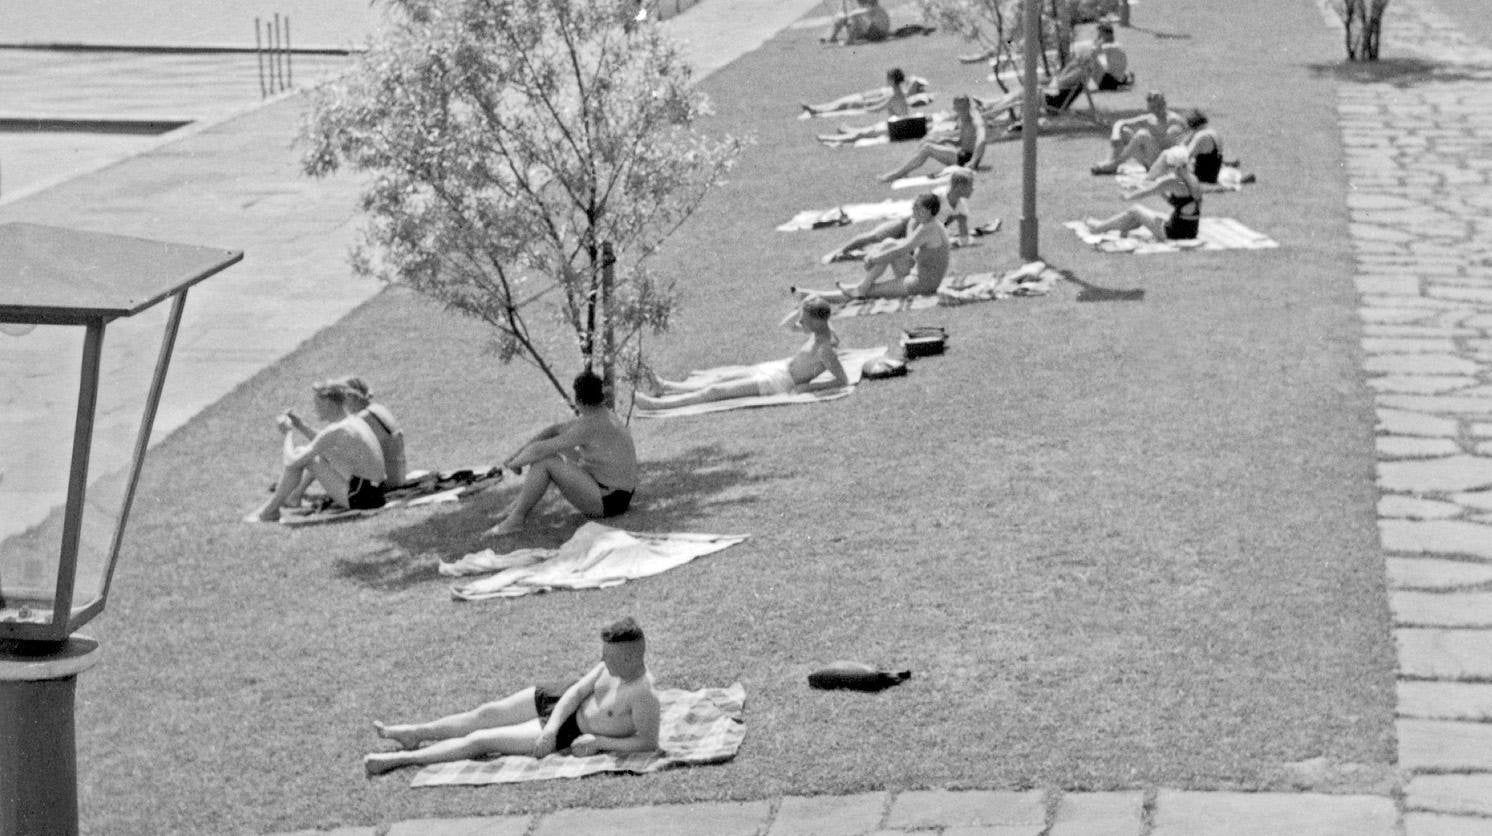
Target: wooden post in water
pixel 259 58
pixel 289 71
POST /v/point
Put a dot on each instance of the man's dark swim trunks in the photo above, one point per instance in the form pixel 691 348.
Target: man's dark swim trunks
pixel 614 502
pixel 964 157
pixel 546 697
pixel 363 495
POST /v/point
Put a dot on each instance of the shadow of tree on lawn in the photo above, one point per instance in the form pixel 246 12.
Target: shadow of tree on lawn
pixel 1399 72
pixel 675 493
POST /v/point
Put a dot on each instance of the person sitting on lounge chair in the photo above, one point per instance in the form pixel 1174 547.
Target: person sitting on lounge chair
pixel 343 456
pixel 590 458
pixel 867 23
pixel 1113 62
pixel 963 148
pixel 1171 177
pixel 816 356
pixel 1142 138
pixel 918 262
pixel 613 708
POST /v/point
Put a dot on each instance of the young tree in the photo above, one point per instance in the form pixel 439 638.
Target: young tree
pixel 1362 22
pixel 996 25
pixel 516 147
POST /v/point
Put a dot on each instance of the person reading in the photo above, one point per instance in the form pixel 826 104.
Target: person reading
pixel 613 708
pixel 343 456
pixel 816 356
pixel 590 458
pixel 1171 178
pixel 963 148
pixel 917 262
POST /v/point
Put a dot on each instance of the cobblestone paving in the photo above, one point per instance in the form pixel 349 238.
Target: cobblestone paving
pixel 1419 164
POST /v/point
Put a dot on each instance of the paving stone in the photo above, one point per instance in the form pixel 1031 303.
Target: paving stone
pixel 1480 297
pixel 1414 331
pixel 1420 364
pixel 1483 448
pixel 1481 500
pixel 1484 519
pixel 1388 285
pixel 341 831
pixel 994 830
pixel 1442 609
pixel 1430 700
pixel 1467 794
pixel 1439 824
pixel 1401 422
pixel 1179 813
pixel 483 826
pixel 1393 315
pixel 960 808
pixel 1436 537
pixel 1408 507
pixel 1099 814
pixel 718 818
pixel 1480 430
pixel 1445 404
pixel 1433 573
pixel 1421 384
pixel 1407 447
pixel 1419 302
pixel 1453 473
pixel 1375 232
pixel 1444 745
pixel 829 815
pixel 1434 653
pixel 1389 345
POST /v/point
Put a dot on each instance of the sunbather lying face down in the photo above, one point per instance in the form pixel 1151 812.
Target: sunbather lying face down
pixel 1171 178
pixel 613 708
pixel 343 456
pixel 918 263
pixel 591 459
pixel 816 356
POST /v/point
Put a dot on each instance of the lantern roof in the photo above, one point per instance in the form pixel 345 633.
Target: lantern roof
pixel 54 275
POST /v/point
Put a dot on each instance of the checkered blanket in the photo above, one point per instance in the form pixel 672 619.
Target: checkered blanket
pixel 697 727
pixel 1212 234
pixel 1034 279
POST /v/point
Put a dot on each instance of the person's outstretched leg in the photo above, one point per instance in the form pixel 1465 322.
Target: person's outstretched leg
pixel 507 740
pixel 925 151
pixel 535 485
pixel 508 711
pixel 1130 219
pixel 744 388
pixel 288 484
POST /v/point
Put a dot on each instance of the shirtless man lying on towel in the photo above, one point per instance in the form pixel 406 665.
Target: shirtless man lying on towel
pixel 816 356
pixel 613 708
pixel 590 458
pixel 343 456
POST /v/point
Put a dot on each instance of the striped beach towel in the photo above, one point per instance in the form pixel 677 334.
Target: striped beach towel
pixel 1034 279
pixel 697 727
pixel 1212 234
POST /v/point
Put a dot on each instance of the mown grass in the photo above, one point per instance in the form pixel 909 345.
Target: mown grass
pixel 1120 544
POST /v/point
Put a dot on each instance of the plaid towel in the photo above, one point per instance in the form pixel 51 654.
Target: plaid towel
pixel 1034 279
pixel 697 727
pixel 1212 234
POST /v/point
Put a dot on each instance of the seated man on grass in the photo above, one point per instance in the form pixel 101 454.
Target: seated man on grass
pixel 917 262
pixel 590 458
pixel 1142 138
pixel 960 189
pixel 613 708
pixel 815 357
pixel 964 147
pixel 343 456
pixel 867 23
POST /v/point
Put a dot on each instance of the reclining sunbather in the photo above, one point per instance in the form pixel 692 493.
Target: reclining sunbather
pixel 881 98
pixel 815 357
pixel 343 456
pixel 613 708
pixel 1142 138
pixel 918 262
pixel 1171 177
pixel 867 23
pixel 590 458
pixel 964 148
pixel 960 189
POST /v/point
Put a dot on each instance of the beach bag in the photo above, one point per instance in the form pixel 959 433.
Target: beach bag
pixel 902 128
pixel 923 341
pixel 855 676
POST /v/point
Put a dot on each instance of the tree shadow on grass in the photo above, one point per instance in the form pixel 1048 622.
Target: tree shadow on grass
pixel 1089 292
pixel 1399 72
pixel 674 495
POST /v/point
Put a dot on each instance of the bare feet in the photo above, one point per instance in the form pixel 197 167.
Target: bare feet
pixel 380 762
pixel 511 525
pixel 263 517
pixel 887 178
pixel 850 291
pixel 398 734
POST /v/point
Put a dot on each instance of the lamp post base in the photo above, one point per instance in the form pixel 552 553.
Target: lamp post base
pixel 38 752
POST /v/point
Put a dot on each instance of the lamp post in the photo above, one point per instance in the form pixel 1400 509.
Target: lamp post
pixel 1030 114
pixel 70 478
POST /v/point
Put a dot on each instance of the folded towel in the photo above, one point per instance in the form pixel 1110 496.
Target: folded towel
pixel 853 361
pixel 1212 234
pixel 595 557
pixel 696 727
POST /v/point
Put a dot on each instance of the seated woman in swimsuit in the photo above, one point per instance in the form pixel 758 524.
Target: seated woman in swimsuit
pixel 384 426
pixel 917 262
pixel 1203 147
pixel 816 356
pixel 1172 178
pixel 343 456
pixel 881 98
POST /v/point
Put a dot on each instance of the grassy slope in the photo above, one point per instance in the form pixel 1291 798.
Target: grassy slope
pixel 1119 544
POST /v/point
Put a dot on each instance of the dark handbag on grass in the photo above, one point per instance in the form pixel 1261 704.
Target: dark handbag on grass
pixel 902 128
pixel 923 341
pixel 855 676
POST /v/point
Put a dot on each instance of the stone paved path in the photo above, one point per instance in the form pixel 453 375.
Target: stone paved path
pixel 1419 160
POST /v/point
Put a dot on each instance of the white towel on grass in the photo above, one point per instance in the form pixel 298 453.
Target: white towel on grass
pixel 1212 234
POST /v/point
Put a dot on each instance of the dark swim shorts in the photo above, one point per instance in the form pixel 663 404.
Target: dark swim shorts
pixel 546 697
pixel 964 157
pixel 614 502
pixel 363 495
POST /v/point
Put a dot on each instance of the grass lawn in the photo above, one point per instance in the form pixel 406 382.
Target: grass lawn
pixel 1121 545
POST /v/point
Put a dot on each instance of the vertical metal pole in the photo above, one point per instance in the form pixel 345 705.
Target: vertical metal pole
pixel 1030 115
pixel 38 740
pixel 289 72
pixel 259 58
pixel 279 68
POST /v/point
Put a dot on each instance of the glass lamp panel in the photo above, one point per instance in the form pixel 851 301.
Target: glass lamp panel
pixel 131 347
pixel 39 389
